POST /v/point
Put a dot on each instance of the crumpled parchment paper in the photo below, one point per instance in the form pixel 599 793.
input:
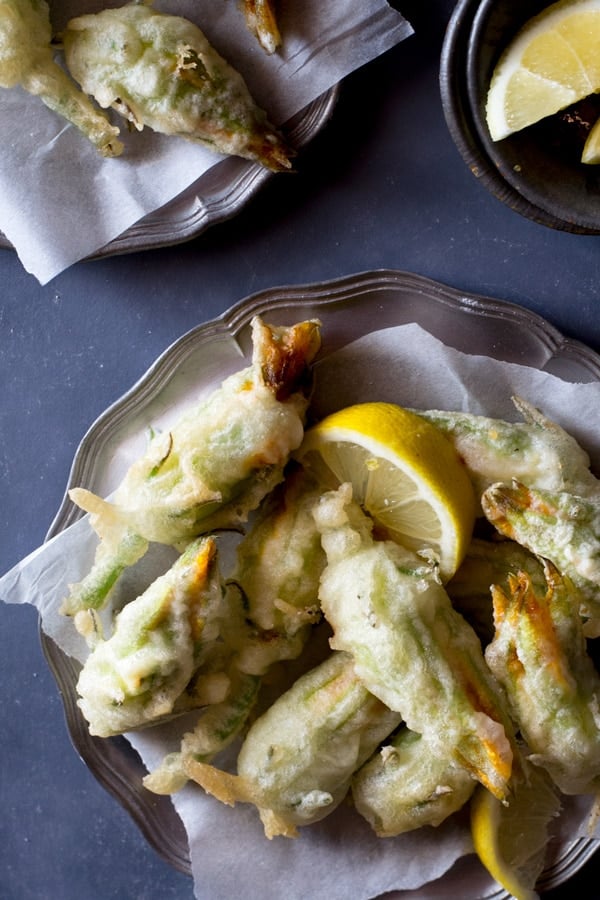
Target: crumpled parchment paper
pixel 339 857
pixel 61 202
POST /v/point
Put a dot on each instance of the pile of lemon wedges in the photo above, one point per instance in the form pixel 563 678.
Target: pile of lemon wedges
pixel 553 62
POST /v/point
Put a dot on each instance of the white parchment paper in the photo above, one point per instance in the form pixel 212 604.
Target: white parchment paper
pixel 339 857
pixel 60 201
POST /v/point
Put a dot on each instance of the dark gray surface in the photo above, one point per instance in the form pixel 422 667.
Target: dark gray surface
pixel 382 186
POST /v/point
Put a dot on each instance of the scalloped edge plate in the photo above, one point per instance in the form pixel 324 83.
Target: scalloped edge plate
pixel 218 195
pixel 349 308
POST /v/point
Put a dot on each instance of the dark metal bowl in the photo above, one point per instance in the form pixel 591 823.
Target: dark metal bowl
pixel 537 171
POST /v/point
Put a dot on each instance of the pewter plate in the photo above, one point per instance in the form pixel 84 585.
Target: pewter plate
pixel 349 308
pixel 217 196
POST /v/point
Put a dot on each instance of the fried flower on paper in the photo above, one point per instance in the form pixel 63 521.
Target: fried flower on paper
pixel 160 71
pixel 408 783
pixel 298 758
pixel 135 676
pixel 539 655
pixel 536 451
pixel 272 604
pixel 215 465
pixel 556 525
pixel 27 59
pixel 410 647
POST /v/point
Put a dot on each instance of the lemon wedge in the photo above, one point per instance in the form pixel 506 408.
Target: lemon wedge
pixel 553 61
pixel 510 840
pixel 591 149
pixel 404 473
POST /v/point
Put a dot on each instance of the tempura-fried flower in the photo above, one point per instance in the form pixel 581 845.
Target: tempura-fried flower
pixel 539 655
pixel 272 603
pixel 27 59
pixel 410 647
pixel 537 451
pixel 279 563
pixel 297 760
pixel 408 783
pixel 159 70
pixel 558 526
pixel 134 677
pixel 213 467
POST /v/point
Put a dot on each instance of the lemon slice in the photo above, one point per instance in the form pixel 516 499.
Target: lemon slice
pixel 510 840
pixel 591 149
pixel 405 474
pixel 553 61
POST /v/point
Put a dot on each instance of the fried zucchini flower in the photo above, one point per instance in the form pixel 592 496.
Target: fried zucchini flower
pixel 410 647
pixel 279 563
pixel 27 59
pixel 159 70
pixel 212 468
pixel 539 655
pixel 271 607
pixel 536 451
pixel 135 677
pixel 556 525
pixel 298 758
pixel 408 784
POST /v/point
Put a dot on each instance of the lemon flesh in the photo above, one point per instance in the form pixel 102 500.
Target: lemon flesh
pixel 404 473
pixel 591 149
pixel 510 840
pixel 553 62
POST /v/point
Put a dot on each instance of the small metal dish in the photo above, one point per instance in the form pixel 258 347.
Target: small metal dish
pixel 537 172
